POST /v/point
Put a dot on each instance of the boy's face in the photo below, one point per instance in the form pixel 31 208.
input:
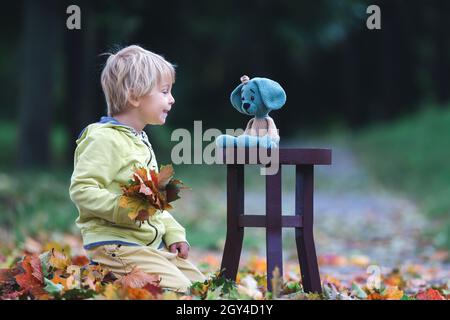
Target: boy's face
pixel 155 106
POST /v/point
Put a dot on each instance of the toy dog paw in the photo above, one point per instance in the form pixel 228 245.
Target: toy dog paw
pixel 225 141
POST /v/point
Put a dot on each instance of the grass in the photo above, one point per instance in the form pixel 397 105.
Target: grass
pixel 33 202
pixel 411 156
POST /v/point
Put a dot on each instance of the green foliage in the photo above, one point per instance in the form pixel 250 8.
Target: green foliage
pixel 35 202
pixel 411 156
pixel 59 142
pixel 8 142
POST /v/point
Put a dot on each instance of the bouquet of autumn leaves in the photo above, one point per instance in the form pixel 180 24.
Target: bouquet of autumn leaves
pixel 147 193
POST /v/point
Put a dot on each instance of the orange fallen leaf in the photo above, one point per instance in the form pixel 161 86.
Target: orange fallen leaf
pixel 80 260
pixel 392 293
pixel 430 294
pixel 395 279
pixel 58 260
pixel 111 292
pixel 138 294
pixel 332 280
pixel 57 279
pixel 375 296
pixel 32 279
pixel 257 265
pixel 137 279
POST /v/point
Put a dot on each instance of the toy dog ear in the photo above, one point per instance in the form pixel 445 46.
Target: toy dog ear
pixel 272 94
pixel 235 97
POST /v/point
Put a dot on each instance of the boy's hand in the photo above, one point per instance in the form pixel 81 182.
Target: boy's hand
pixel 182 247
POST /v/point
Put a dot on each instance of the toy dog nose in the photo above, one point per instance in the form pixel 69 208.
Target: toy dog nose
pixel 246 105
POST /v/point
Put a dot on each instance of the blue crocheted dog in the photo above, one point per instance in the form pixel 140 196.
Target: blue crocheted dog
pixel 256 97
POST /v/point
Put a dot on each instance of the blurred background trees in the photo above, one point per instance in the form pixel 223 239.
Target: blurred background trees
pixel 336 72
pixel 387 89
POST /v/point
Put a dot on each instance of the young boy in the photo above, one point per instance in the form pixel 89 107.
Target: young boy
pixel 137 85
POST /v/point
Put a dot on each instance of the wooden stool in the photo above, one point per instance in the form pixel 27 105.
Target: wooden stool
pixel 304 161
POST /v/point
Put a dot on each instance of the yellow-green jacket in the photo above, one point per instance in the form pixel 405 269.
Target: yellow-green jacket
pixel 104 158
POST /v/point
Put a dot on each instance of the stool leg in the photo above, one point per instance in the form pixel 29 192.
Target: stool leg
pixel 273 226
pixel 235 233
pixel 304 238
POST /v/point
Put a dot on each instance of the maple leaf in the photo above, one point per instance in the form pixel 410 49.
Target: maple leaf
pixel 80 260
pixel 155 290
pixel 144 189
pixel 92 276
pixel 141 174
pixel 332 280
pixel 173 188
pixel 111 292
pixel 200 288
pixel 58 246
pixel 154 177
pixel 138 279
pixel 392 293
pixel 395 279
pixel 6 275
pixel 143 197
pixel 257 265
pixel 164 176
pixel 13 295
pixel 8 285
pixel 58 280
pixel 135 205
pixel 32 279
pixel 375 296
pixel 58 260
pixel 430 294
pixel 137 294
pixel 144 215
pixel 73 281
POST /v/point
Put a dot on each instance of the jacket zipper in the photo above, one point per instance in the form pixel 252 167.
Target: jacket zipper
pixel 156 233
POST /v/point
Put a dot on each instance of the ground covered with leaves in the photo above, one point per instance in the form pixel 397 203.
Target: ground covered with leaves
pixel 371 243
pixel 44 269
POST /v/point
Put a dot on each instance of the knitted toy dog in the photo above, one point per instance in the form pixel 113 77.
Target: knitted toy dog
pixel 256 97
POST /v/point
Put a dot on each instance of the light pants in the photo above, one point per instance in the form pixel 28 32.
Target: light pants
pixel 175 273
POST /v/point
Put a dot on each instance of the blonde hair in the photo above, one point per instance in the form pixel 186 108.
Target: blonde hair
pixel 132 72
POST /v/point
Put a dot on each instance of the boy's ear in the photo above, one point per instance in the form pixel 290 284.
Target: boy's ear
pixel 272 94
pixel 235 97
pixel 133 100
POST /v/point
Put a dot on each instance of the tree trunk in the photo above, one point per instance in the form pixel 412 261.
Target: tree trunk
pixel 80 77
pixel 38 55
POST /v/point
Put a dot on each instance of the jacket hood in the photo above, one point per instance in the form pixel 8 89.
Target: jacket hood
pixel 108 122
